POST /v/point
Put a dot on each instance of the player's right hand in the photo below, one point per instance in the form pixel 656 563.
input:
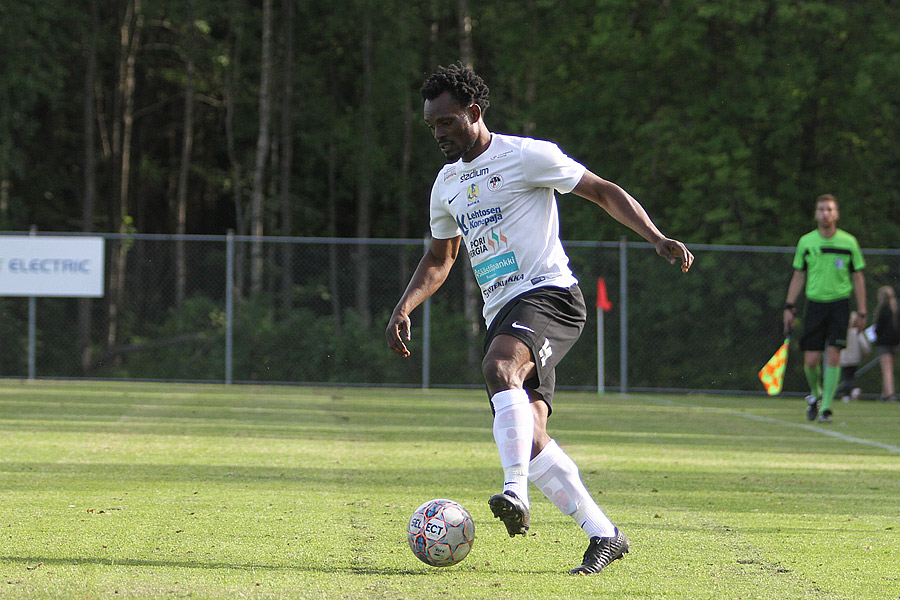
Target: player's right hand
pixel 397 331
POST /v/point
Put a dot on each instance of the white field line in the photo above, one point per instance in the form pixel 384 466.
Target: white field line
pixel 821 430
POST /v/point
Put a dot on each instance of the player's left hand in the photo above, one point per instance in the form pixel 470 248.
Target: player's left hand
pixel 672 250
pixel 398 331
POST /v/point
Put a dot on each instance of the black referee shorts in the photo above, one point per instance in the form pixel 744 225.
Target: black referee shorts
pixel 549 321
pixel 825 323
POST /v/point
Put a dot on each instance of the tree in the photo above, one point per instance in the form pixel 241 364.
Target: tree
pixel 122 129
pixel 365 167
pixel 262 149
pixel 187 145
pixel 286 137
pixel 89 175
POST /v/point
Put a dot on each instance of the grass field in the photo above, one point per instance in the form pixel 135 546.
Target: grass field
pixel 126 490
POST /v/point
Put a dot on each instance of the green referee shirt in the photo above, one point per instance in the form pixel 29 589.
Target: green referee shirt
pixel 828 263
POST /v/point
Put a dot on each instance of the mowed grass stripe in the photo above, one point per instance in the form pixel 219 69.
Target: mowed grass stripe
pixel 149 490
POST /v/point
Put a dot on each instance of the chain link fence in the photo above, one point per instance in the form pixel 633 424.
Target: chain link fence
pixel 315 309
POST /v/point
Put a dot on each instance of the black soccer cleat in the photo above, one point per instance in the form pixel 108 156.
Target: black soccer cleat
pixel 512 511
pixel 601 552
pixel 825 417
pixel 812 408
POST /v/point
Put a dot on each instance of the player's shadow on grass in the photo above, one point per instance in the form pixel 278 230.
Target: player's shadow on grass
pixel 33 563
pixel 37 562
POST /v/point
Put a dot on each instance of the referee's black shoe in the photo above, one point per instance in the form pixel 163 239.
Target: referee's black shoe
pixel 812 408
pixel 601 552
pixel 512 511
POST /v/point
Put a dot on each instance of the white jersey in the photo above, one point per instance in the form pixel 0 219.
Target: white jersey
pixel 504 206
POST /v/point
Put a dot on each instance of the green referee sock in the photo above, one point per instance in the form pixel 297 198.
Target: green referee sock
pixel 814 378
pixel 832 375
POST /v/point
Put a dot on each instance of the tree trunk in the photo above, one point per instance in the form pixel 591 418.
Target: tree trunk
pixel 404 272
pixel 83 326
pixel 129 40
pixel 287 156
pixel 472 294
pixel 465 33
pixel 186 146
pixel 262 148
pixel 333 263
pixel 234 164
pixel 364 176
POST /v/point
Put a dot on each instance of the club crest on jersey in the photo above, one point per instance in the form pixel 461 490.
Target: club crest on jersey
pixel 472 194
pixel 495 182
pixel 839 263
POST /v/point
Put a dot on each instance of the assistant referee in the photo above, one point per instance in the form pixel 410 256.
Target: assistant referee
pixel 830 264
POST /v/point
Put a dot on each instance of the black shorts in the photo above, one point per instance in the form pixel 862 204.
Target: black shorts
pixel 549 321
pixel 825 323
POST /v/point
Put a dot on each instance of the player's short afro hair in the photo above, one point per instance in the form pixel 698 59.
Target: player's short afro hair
pixel 464 85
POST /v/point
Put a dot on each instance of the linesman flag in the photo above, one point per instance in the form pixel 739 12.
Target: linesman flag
pixel 772 374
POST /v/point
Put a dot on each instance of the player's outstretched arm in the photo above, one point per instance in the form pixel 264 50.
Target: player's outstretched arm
pixel 428 277
pixel 626 210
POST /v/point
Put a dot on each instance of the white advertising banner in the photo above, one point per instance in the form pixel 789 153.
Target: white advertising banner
pixel 70 267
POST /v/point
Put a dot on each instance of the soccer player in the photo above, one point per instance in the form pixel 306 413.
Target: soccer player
pixel 828 260
pixel 497 194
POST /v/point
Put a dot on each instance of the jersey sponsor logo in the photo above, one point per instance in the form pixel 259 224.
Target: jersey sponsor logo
pixel 486 292
pixel 478 217
pixel 449 174
pixel 495 182
pixel 472 195
pixel 497 238
pixel 501 155
pixel 478 246
pixel 473 174
pixel 485 243
pixel 543 278
pixel 461 222
pixel 495 268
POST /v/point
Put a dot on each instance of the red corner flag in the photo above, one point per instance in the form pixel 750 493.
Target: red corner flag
pixel 772 374
pixel 602 301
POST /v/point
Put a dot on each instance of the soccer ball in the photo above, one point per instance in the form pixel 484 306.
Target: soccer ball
pixel 441 533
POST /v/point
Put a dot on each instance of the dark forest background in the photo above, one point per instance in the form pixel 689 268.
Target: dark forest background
pixel 302 117
pixel 725 118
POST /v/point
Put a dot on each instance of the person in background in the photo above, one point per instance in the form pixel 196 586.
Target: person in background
pixel 828 266
pixel 887 338
pixel 858 346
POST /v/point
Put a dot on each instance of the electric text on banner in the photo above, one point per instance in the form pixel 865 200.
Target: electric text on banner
pixel 51 266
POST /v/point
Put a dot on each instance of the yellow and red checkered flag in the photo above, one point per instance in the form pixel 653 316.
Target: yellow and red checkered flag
pixel 772 374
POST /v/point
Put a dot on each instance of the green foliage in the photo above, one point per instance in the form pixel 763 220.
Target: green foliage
pixel 724 118
pixel 36 46
pixel 303 346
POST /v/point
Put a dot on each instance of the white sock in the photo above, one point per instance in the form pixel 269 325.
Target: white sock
pixel 556 475
pixel 514 434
